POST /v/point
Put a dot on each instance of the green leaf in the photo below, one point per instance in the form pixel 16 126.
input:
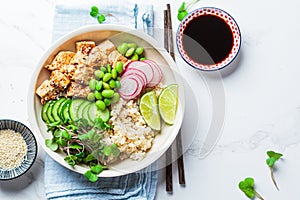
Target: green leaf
pixel 65 134
pixel 91 176
pixel 181 15
pixel 80 155
pixel 115 150
pixel 97 138
pixel 247 186
pixel 249 181
pixel 51 144
pixel 82 123
pixel 273 154
pixel 75 146
pixel 182 7
pixel 93 14
pixel 90 158
pixel 71 160
pixel 83 137
pixel 88 136
pixel 271 161
pixel 72 127
pixel 99 123
pixel 58 133
pixel 249 193
pixel 101 18
pixel 107 150
pixel 94 9
pixel 61 142
pixel 97 169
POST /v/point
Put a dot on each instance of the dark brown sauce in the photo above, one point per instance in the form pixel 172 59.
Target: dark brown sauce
pixel 207 39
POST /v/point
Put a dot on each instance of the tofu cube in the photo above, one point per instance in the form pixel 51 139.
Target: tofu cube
pixel 59 80
pixel 61 59
pixel 46 91
pixel 106 46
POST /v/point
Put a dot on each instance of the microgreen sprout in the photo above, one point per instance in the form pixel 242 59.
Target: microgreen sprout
pixel 94 12
pixel 83 144
pixel 247 186
pixel 273 157
pixel 183 10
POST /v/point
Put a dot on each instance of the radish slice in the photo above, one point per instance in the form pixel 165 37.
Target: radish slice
pixel 156 71
pixel 137 73
pixel 144 67
pixel 130 87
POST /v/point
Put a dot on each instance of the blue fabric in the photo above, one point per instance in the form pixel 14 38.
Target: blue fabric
pixel 64 184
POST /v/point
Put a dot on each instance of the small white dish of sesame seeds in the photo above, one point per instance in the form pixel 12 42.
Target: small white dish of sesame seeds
pixel 18 149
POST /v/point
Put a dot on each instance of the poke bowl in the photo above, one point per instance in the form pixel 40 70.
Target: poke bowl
pixel 106 101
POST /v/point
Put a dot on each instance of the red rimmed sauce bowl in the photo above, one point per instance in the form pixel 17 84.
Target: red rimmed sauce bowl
pixel 208 39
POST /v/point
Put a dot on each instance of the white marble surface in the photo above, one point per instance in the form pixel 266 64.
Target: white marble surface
pixel 262 99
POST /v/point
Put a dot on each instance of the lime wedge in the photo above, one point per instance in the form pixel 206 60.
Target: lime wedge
pixel 167 103
pixel 149 110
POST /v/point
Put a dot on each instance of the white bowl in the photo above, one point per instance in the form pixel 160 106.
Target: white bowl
pixel 117 34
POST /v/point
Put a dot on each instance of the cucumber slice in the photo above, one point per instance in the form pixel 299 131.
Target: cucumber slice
pixel 65 112
pixel 55 108
pixel 92 112
pixel 79 113
pixel 74 106
pixel 85 114
pixel 49 111
pixel 103 114
pixel 60 108
pixel 44 112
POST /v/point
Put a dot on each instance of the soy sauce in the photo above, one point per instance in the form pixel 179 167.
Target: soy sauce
pixel 207 39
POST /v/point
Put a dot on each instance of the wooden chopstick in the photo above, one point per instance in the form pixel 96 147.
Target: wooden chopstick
pixel 180 162
pixel 169 176
pixel 170 32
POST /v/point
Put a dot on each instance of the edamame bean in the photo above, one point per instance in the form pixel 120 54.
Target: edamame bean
pixel 99 74
pixel 107 93
pixel 97 95
pixel 135 57
pixel 119 67
pixel 91 96
pixel 92 84
pixel 143 58
pixel 114 73
pixel 99 85
pixel 112 83
pixel 118 84
pixel 106 77
pixel 139 50
pixel 106 86
pixel 123 48
pixel 131 45
pixel 100 105
pixel 103 69
pixel 107 102
pixel 115 98
pixel 108 68
pixel 129 52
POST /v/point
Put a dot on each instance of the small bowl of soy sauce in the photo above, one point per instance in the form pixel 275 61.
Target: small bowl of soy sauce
pixel 208 39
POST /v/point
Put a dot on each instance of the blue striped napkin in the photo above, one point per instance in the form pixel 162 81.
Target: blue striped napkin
pixel 64 184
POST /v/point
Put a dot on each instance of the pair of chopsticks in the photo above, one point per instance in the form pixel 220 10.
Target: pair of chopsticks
pixel 168 44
